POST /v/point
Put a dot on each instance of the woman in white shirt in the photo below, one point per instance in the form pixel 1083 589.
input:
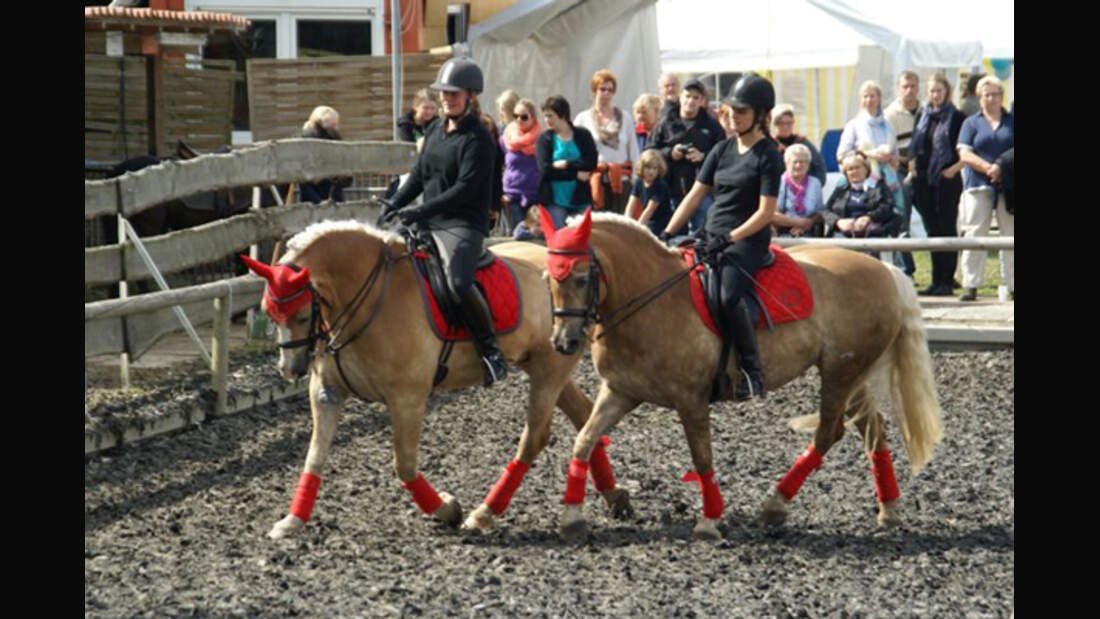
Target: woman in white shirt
pixel 618 150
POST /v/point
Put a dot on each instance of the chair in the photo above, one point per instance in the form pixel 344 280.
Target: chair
pixel 829 143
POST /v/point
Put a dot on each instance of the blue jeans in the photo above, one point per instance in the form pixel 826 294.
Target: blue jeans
pixel 699 219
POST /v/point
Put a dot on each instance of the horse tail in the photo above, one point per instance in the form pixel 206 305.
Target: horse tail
pixel 916 407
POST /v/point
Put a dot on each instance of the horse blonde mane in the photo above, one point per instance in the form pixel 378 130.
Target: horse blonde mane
pixel 622 220
pixel 301 241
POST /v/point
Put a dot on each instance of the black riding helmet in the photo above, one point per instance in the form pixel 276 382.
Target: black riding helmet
pixel 460 74
pixel 753 91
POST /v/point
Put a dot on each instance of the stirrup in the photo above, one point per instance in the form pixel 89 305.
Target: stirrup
pixel 495 369
pixel 747 389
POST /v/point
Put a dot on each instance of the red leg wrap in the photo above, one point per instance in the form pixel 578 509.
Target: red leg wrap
pixel 712 497
pixel 305 495
pixel 803 466
pixel 602 476
pixel 882 469
pixel 502 492
pixel 423 494
pixel 574 486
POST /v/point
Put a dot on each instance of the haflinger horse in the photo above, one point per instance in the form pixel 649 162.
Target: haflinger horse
pixel 348 309
pixel 864 331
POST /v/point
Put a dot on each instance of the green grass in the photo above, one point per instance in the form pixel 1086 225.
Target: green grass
pixel 923 275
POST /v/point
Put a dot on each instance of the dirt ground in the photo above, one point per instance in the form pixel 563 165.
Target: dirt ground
pixel 176 526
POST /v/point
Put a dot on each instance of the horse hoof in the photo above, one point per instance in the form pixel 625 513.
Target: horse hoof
pixel 706 530
pixel 888 516
pixel 618 501
pixel 481 519
pixel 450 512
pixel 775 510
pixel 573 531
pixel 286 527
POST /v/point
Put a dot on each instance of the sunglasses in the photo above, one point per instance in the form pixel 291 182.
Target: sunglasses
pixel 523 117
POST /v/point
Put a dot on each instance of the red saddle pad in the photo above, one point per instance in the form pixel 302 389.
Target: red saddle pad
pixel 782 287
pixel 500 286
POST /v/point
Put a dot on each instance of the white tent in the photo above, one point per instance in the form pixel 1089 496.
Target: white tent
pixel 546 47
pixel 701 36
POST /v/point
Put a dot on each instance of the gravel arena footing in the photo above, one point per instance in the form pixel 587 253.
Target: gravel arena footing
pixel 176 525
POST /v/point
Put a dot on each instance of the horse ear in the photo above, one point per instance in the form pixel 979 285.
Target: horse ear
pixel 585 228
pixel 548 228
pixel 258 268
pixel 301 278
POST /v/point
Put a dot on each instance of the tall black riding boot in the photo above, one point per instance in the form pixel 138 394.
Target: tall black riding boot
pixel 751 384
pixel 475 311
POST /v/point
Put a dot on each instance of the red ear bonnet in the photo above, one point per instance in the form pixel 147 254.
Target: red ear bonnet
pixel 567 239
pixel 287 290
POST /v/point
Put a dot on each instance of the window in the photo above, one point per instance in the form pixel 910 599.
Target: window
pixel 335 37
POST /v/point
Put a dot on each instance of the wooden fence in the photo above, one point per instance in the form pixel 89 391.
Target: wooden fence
pixel 116 107
pixel 197 105
pixel 285 161
pixel 282 93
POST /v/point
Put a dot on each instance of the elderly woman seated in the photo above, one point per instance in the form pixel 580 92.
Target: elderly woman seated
pixel 861 208
pixel 800 203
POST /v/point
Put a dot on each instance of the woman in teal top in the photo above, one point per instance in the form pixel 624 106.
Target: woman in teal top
pixel 566 157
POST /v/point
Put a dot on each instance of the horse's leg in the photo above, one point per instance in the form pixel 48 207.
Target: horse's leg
pixel 834 399
pixel 872 427
pixel 610 407
pixel 325 403
pixel 578 408
pixel 536 433
pixel 696 424
pixel 407 420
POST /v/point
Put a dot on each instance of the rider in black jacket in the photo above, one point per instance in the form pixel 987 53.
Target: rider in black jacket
pixel 453 172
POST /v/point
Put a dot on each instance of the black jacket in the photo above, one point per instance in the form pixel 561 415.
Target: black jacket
pixel 453 172
pixel 407 127
pixel 880 202
pixel 324 189
pixel 544 155
pixel 671 131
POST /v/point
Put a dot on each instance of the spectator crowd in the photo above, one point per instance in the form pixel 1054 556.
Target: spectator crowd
pixel 953 164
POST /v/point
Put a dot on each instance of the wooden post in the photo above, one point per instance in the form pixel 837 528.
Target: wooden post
pixel 219 353
pixel 123 292
pixel 254 253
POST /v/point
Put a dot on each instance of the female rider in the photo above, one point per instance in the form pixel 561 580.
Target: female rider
pixel 453 171
pixel 744 171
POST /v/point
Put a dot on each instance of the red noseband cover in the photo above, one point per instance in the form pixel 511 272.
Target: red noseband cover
pixel 501 494
pixel 882 469
pixel 803 466
pixel 305 495
pixel 287 290
pixel 574 240
pixel 423 494
pixel 712 497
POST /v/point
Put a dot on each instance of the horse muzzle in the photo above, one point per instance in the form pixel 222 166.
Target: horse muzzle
pixel 293 367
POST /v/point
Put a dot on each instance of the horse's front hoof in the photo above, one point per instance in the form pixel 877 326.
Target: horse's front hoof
pixel 450 512
pixel 573 525
pixel 286 527
pixel 889 515
pixel 706 530
pixel 618 501
pixel 774 512
pixel 481 519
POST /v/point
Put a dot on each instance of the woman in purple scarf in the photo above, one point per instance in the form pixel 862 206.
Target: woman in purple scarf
pixel 937 183
pixel 799 206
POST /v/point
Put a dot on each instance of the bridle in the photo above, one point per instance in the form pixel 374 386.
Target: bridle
pixel 331 335
pixel 591 313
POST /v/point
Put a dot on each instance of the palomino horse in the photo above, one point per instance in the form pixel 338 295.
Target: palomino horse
pixel 355 304
pixel 865 323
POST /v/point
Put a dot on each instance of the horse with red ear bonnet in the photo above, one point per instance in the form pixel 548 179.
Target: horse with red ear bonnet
pixel 864 331
pixel 368 334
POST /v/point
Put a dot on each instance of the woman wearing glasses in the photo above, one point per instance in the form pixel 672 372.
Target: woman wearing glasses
pixel 521 169
pixel 615 143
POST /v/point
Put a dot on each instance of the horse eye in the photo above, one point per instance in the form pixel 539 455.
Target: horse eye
pixel 302 320
pixel 580 282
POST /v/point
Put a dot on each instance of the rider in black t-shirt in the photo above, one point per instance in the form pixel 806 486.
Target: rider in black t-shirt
pixel 744 171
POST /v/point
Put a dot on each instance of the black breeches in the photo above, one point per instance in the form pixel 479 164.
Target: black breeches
pixel 459 248
pixel 737 263
pixel 939 210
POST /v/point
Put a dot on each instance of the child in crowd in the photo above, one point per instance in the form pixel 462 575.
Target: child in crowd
pixel 530 229
pixel 651 200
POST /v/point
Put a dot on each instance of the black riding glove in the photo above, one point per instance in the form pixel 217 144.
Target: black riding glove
pixel 388 212
pixel 716 244
pixel 410 215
